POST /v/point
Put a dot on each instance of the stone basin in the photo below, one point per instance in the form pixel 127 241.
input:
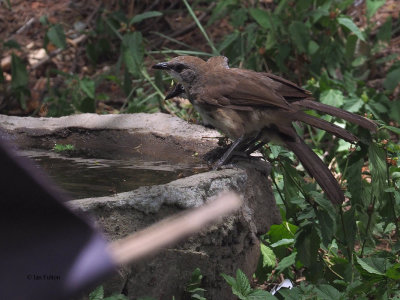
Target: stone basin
pixel 161 158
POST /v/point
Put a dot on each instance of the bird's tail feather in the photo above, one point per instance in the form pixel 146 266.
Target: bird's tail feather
pixel 316 168
pixel 327 126
pixel 337 112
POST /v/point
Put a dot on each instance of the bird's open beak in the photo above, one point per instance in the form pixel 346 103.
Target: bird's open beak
pixel 161 66
pixel 177 90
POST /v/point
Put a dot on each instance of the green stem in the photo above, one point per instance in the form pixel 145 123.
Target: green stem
pixel 370 213
pixel 349 251
pixel 392 201
pixel 196 20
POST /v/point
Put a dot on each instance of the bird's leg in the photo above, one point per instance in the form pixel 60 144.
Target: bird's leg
pixel 228 154
pixel 251 145
pixel 254 147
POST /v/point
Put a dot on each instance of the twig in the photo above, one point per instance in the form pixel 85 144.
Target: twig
pixel 25 26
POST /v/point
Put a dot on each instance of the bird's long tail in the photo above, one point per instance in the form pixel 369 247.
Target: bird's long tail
pixel 327 126
pixel 316 168
pixel 336 112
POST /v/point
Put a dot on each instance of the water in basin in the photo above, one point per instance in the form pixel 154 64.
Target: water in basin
pixel 88 177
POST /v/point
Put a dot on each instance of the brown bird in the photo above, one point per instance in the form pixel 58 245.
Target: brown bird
pixel 250 106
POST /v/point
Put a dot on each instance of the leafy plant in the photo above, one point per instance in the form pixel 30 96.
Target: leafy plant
pixel 194 286
pixel 241 288
pixel 98 294
pixel 63 148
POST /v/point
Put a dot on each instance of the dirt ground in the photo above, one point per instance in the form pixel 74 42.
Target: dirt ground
pixel 22 24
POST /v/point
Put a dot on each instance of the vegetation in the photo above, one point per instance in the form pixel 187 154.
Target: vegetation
pixel 348 252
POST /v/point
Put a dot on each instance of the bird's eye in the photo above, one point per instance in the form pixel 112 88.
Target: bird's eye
pixel 179 68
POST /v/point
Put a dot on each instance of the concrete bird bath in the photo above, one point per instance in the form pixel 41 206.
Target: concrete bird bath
pixel 129 171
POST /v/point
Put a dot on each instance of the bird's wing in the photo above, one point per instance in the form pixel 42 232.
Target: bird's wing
pixel 230 88
pixel 289 90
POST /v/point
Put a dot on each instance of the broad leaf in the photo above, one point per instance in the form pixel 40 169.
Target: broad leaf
pixel 260 295
pixel 88 86
pixel 300 35
pixel 268 257
pixel 133 52
pixel 261 16
pixel 349 24
pixel 372 265
pixel 19 73
pixel 242 284
pixel 392 79
pixel 332 97
pixel 140 17
pixel 377 159
pixel 57 36
pixel 327 292
pixel 373 6
pixel 385 31
pixel 97 294
pixel 307 245
pixel 286 262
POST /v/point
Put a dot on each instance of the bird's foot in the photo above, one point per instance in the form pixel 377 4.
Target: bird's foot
pixel 235 156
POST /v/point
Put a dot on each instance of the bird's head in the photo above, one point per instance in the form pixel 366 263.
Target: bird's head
pixel 184 69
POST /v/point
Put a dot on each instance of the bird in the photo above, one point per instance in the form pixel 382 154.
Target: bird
pixel 254 108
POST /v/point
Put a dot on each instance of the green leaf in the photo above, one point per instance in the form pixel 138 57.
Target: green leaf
pixel 242 284
pixel 12 44
pixel 349 24
pixel 57 36
pixel 307 245
pixel 88 86
pixel 133 52
pixel 372 265
pixel 268 257
pixel 327 226
pixel 146 15
pixel 385 31
pixel 392 79
pixel 261 16
pixel 359 61
pixel 394 272
pixel 354 181
pixel 332 97
pixel 373 6
pixel 283 242
pixel 312 47
pixel 87 105
pixel 44 20
pixel 281 231
pixel 123 297
pixel 350 226
pixel 19 73
pixel 377 165
pixel 394 129
pixel 238 17
pixel 327 292
pixel 229 279
pixel 260 295
pixel 353 104
pixel 229 39
pixel 293 294
pixel 97 294
pixel 300 35
pixel 286 262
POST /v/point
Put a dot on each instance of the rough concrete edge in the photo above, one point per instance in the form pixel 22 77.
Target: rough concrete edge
pixel 149 199
pixel 159 123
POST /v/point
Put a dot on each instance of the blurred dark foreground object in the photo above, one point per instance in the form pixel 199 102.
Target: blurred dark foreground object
pixel 48 252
